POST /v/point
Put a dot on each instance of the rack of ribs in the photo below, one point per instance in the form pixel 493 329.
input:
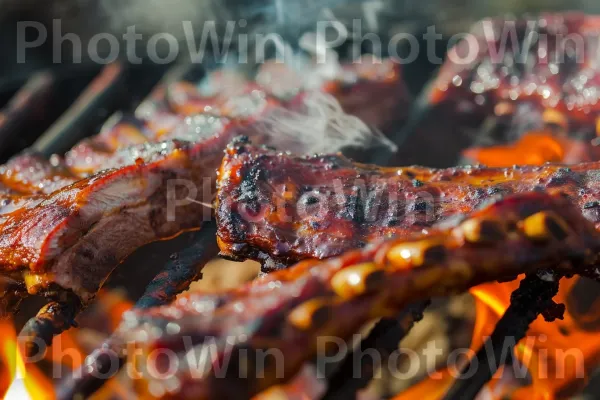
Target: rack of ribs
pixel 275 206
pixel 286 312
pixel 68 221
pixel 508 79
pixel 396 235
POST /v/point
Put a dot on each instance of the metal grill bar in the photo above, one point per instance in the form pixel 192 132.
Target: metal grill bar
pixel 176 277
pixel 532 298
pixel 26 106
pixel 51 320
pixel 59 315
pixel 383 338
pixel 77 122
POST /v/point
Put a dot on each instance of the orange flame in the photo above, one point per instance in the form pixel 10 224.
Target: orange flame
pixel 557 355
pixel 19 380
pixel 534 148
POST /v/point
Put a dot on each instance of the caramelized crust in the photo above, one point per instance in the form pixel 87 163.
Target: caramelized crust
pixel 289 310
pixel 66 223
pixel 548 61
pixel 533 75
pixel 272 204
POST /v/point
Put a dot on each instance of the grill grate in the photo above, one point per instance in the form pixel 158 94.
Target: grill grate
pixel 383 338
pixel 116 87
pixel 532 298
pixel 25 108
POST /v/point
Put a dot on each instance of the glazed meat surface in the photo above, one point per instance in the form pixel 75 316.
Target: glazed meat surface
pixel 273 204
pixel 528 59
pixel 508 79
pixel 65 223
pixel 287 311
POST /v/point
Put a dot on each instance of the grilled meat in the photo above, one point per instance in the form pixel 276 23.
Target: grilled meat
pixel 287 311
pixel 527 59
pixel 508 78
pixel 67 222
pixel 272 204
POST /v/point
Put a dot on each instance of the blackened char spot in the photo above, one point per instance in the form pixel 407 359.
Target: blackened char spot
pixel 310 200
pixel 420 206
pixel 563 176
pixel 477 194
pixel 353 208
pixel 373 203
pixel 248 193
pixel 392 221
pixel 591 211
pixel 236 226
pixel 494 190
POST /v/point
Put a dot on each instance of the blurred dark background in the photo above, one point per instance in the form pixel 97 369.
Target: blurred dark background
pixel 84 20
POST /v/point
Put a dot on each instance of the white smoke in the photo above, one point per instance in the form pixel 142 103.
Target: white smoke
pixel 319 125
pixel 155 15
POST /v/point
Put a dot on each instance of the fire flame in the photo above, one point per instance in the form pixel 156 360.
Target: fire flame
pixel 546 351
pixel 19 380
pixel 22 380
pixel 550 351
pixel 534 148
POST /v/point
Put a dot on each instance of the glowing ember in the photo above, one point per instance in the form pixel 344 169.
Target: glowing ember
pixel 556 355
pixel 534 148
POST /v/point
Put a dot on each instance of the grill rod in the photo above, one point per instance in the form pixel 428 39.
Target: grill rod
pixel 77 122
pixel 384 339
pixel 59 314
pixel 29 99
pixel 532 298
pixel 180 271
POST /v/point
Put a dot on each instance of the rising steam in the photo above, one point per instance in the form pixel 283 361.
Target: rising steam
pixel 319 125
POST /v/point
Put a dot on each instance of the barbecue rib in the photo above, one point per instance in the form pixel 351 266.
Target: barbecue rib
pixel 507 78
pixel 287 311
pixel 536 60
pixel 274 205
pixel 66 223
pixel 269 206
